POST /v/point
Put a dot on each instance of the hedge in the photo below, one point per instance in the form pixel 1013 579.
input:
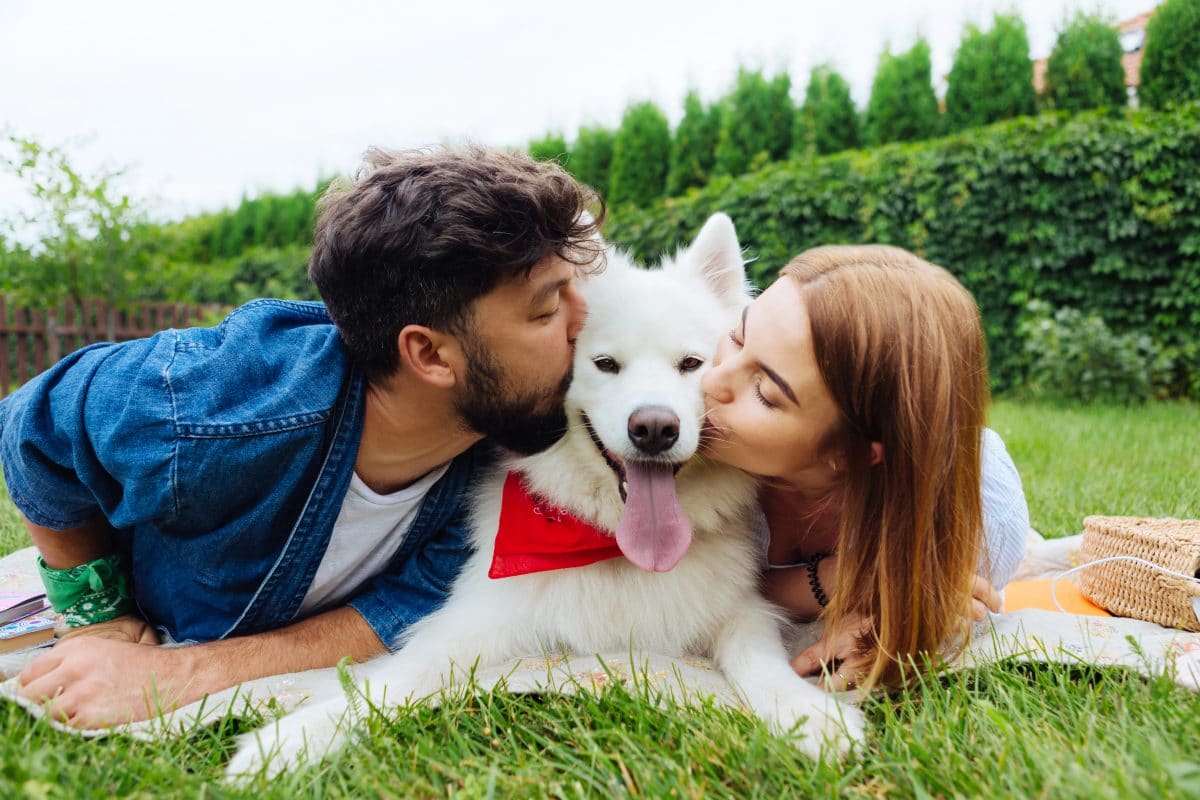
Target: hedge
pixel 1098 211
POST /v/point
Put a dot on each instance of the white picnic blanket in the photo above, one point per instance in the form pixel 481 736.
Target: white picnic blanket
pixel 1027 635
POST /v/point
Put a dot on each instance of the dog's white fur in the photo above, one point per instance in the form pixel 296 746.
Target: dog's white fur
pixel 648 321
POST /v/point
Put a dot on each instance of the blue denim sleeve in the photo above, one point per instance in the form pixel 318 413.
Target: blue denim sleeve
pixel 1005 512
pixel 94 433
pixel 394 600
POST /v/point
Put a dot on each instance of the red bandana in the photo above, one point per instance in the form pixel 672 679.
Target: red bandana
pixel 536 537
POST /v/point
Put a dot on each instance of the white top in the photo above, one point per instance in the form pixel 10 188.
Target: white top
pixel 1005 515
pixel 369 530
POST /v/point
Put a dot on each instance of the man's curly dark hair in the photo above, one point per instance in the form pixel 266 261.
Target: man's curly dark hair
pixel 417 236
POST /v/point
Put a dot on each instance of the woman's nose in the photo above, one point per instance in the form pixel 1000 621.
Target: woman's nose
pixel 715 383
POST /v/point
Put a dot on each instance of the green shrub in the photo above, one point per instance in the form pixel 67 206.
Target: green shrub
pixel 694 147
pixel 641 153
pixel 992 76
pixel 1084 69
pixel 1171 63
pixel 591 157
pixel 828 114
pixel 1075 356
pixel 903 107
pixel 1100 212
pixel 551 147
pixel 756 123
pixel 269 220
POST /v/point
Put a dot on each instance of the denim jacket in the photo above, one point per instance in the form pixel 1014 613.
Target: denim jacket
pixel 221 457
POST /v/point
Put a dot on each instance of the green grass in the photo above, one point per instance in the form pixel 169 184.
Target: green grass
pixel 1006 731
pixel 1139 461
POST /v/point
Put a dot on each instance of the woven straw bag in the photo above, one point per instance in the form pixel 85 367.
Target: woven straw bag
pixel 1129 589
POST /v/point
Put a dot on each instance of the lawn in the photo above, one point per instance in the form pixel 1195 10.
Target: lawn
pixel 1008 730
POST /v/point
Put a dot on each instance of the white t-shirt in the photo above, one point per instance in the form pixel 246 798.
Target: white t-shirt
pixel 368 532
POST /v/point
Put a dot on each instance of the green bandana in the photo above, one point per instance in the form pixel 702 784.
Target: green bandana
pixel 93 592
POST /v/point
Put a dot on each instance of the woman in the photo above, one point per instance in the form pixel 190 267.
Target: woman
pixel 857 385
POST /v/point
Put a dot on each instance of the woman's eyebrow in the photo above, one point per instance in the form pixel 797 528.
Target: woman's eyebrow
pixel 779 381
pixel 770 373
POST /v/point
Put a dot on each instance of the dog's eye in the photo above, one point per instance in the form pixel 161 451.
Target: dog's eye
pixel 690 364
pixel 607 364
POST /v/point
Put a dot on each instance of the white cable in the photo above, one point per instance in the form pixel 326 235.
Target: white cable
pixel 1136 560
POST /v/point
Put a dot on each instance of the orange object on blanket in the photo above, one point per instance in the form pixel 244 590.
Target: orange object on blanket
pixel 1036 594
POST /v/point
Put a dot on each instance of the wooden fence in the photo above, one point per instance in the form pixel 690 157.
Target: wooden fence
pixel 31 340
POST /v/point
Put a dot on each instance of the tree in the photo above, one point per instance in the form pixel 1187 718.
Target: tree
pixel 1171 62
pixel 992 76
pixel 1084 69
pixel 828 115
pixel 87 236
pixel 756 124
pixel 591 157
pixel 551 147
pixel 641 153
pixel 694 148
pixel 903 106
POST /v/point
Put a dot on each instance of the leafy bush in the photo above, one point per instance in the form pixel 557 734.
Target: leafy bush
pixel 1076 356
pixel 694 148
pixel 269 220
pixel 1084 69
pixel 591 157
pixel 551 147
pixel 828 113
pixel 992 76
pixel 1171 63
pixel 903 107
pixel 1100 212
pixel 641 152
pixel 756 123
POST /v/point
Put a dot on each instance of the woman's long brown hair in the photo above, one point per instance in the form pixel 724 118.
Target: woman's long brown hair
pixel 900 346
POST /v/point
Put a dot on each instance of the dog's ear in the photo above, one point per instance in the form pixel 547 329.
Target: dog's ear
pixel 717 257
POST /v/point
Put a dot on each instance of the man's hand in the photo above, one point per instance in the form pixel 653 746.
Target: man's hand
pixel 92 681
pixel 125 628
pixel 96 682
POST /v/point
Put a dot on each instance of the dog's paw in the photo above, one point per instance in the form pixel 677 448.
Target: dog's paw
pixel 826 727
pixel 303 736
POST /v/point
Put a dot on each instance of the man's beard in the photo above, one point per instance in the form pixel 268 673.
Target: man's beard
pixel 513 418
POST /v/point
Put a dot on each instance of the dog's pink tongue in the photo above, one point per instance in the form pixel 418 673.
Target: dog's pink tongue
pixel 653 532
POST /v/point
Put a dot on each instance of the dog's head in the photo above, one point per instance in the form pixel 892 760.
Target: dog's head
pixel 649 337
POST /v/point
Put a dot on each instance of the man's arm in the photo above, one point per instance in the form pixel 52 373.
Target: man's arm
pixel 74 546
pixel 92 682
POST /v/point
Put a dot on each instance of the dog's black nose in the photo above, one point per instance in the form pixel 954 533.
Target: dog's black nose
pixel 653 429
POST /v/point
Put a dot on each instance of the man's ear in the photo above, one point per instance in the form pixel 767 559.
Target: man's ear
pixel 429 355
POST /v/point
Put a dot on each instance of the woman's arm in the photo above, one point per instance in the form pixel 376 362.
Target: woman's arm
pixel 1005 513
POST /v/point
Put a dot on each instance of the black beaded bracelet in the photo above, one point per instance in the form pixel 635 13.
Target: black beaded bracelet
pixel 814 581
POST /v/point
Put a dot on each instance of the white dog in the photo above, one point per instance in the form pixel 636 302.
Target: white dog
pixel 682 578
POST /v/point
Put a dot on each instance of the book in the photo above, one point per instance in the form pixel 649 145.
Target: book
pixel 15 605
pixel 27 632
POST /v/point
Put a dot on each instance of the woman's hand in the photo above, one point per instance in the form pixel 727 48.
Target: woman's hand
pixel 984 599
pixel 838 657
pixel 841 662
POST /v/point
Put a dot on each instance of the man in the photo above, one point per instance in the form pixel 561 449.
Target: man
pixel 286 489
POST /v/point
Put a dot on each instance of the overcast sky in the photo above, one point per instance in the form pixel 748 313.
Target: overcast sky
pixel 206 101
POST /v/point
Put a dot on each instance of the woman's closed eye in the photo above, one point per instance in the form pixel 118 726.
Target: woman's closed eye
pixel 758 393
